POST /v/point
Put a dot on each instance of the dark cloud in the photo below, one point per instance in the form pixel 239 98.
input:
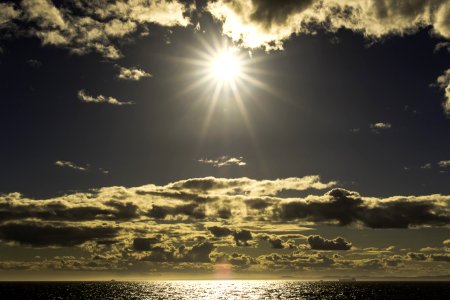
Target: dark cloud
pixel 144 244
pixel 220 231
pixel 342 206
pixel 37 235
pixel 258 203
pixel 199 253
pixel 276 243
pixel 440 257
pixel 242 237
pixel 346 207
pixel 123 210
pixel 178 195
pixel 316 242
pixel 417 256
pixel 193 210
pixel 224 213
pixel 269 12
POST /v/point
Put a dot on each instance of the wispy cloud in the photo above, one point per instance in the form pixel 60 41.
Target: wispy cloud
pixel 444 163
pixel 83 96
pixel 443 82
pixel 133 74
pixel 83 168
pixel 378 127
pixel 70 165
pixel 224 161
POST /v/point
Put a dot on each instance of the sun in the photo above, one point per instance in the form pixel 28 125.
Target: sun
pixel 226 65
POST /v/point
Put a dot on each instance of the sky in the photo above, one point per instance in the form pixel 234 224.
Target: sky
pixel 224 139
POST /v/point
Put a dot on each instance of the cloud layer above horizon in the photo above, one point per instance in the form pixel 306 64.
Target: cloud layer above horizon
pixel 194 223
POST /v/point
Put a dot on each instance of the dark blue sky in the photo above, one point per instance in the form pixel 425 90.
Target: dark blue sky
pixel 325 89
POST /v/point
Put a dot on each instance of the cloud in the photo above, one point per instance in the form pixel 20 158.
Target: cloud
pixel 178 226
pixel 38 235
pixel 84 26
pixel 442 45
pixel 426 166
pixel 220 231
pixel 377 127
pixel 249 187
pixel 443 82
pixel 70 165
pixel 144 244
pixel 224 161
pixel 83 96
pixel 444 163
pixel 316 242
pixel 133 74
pixel 73 166
pixel 347 207
pixel 268 23
pixel 7 14
pixel 241 237
pixel 440 257
pixel 34 63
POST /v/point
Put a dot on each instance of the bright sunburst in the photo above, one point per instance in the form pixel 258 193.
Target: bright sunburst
pixel 220 71
pixel 226 65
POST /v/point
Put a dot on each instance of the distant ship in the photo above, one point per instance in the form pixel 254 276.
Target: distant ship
pixel 347 279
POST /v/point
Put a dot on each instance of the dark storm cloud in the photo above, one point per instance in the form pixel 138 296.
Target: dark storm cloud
pixel 37 235
pixel 347 207
pixel 316 242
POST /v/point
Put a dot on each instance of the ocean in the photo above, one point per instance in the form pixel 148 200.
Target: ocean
pixel 225 289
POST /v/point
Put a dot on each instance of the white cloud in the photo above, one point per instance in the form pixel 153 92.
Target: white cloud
pixel 443 82
pixel 381 125
pixel 444 163
pixel 377 127
pixel 7 13
pixel 83 96
pixel 426 166
pixel 84 26
pixel 134 74
pixel 70 165
pixel 268 23
pixel 224 161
